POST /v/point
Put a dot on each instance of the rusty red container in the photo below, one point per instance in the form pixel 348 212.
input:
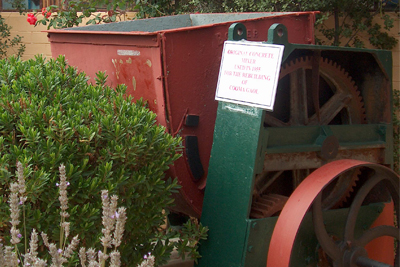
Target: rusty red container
pixel 173 63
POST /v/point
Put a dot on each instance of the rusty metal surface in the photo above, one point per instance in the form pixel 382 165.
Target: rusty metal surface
pixel 133 62
pixel 267 206
pixel 310 160
pixel 102 38
pixel 176 70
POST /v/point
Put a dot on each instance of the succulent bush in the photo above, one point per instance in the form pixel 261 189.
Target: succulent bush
pixel 51 115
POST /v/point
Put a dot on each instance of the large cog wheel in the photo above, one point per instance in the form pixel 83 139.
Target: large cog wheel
pixel 337 101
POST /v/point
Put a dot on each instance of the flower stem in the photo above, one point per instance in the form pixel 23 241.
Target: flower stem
pixel 18 254
pixel 103 261
pixel 62 233
pixel 25 236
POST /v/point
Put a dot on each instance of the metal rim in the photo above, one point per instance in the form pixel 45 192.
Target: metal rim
pixel 309 192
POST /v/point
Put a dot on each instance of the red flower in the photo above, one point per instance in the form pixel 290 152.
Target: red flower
pixel 31 19
pixel 46 13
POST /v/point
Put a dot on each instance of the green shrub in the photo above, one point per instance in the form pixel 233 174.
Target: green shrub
pixel 50 115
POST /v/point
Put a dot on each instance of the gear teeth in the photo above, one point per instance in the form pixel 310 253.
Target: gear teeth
pixel 331 68
pixel 267 205
pixel 355 178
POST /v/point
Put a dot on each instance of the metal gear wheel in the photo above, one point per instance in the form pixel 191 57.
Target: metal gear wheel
pixel 304 100
pixel 337 100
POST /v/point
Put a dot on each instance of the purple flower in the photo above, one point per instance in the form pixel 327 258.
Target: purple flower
pixel 59 250
pixel 57 184
pixel 19 235
pixel 21 202
pixel 117 215
pixel 68 183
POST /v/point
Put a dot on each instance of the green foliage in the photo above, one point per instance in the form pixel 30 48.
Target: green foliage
pixel 7 43
pixel 49 115
pixel 146 9
pixel 189 243
pixel 186 240
pixel 351 18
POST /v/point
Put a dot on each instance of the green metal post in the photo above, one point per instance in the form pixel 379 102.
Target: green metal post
pixel 236 157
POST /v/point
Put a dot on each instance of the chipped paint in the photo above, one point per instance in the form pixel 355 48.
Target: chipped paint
pixel 128 53
pixel 134 83
pixel 129 61
pixel 155 101
pixel 252 111
pixel 114 61
pixel 148 63
pixel 121 61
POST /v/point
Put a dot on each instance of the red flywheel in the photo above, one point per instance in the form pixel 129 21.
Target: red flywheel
pixel 347 250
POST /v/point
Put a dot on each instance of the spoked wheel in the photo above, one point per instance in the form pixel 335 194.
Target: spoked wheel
pixel 347 250
pixel 311 91
pixel 303 99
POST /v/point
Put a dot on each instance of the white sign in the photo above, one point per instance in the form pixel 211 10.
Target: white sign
pixel 249 73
